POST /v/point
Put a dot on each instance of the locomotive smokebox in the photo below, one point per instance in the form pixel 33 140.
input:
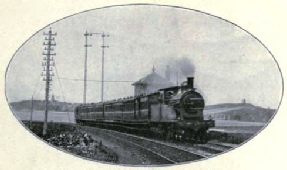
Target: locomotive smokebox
pixel 190 82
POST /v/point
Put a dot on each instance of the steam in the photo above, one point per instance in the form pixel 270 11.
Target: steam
pixel 179 68
pixel 185 66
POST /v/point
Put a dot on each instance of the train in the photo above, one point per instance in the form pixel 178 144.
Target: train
pixel 175 113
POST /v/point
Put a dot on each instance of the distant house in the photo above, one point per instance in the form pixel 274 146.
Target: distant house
pixel 238 111
pixel 150 83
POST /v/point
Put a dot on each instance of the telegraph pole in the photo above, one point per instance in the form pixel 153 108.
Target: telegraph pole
pixel 85 66
pixel 103 62
pixel 177 78
pixel 103 35
pixel 31 114
pixel 47 68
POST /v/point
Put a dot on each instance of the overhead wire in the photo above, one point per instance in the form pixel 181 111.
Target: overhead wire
pixel 36 85
pixel 40 90
pixel 113 81
pixel 57 74
pixel 34 92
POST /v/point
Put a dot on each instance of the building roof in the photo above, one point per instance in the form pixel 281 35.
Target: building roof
pixel 153 79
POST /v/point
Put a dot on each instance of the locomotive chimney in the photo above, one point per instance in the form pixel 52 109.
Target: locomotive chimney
pixel 190 82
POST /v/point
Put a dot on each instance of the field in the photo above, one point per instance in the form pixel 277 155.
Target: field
pixel 236 132
pixel 233 126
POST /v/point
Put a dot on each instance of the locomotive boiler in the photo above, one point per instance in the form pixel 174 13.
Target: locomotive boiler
pixel 175 113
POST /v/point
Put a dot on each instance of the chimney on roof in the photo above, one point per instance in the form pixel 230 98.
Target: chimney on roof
pixel 153 69
pixel 167 73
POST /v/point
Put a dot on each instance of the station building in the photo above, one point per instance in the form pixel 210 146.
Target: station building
pixel 151 83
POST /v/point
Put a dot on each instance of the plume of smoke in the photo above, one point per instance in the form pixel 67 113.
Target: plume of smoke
pixel 185 66
pixel 180 68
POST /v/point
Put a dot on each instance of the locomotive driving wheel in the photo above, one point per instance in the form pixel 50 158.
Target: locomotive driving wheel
pixel 201 136
pixel 179 135
pixel 170 133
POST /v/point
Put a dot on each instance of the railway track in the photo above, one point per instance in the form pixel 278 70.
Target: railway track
pixel 207 150
pixel 163 152
pixel 214 148
pixel 225 146
pixel 155 151
pixel 210 149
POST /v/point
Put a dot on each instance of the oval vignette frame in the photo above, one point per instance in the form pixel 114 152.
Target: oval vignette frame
pixel 171 7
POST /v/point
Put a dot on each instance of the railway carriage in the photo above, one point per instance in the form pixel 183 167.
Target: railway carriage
pixel 174 112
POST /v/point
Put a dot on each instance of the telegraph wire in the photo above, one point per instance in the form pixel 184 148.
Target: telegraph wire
pixel 36 94
pixel 57 74
pixel 40 76
pixel 111 81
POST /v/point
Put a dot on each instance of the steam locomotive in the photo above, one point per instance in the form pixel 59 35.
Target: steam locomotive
pixel 175 113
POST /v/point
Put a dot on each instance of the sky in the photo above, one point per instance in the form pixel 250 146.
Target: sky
pixel 228 63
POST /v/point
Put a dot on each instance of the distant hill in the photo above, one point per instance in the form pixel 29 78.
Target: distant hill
pixel 239 111
pixel 225 111
pixel 40 105
pixel 227 105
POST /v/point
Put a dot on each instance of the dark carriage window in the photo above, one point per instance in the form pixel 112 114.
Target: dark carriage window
pixel 101 108
pixel 143 105
pixel 90 109
pixel 131 106
pixel 85 110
